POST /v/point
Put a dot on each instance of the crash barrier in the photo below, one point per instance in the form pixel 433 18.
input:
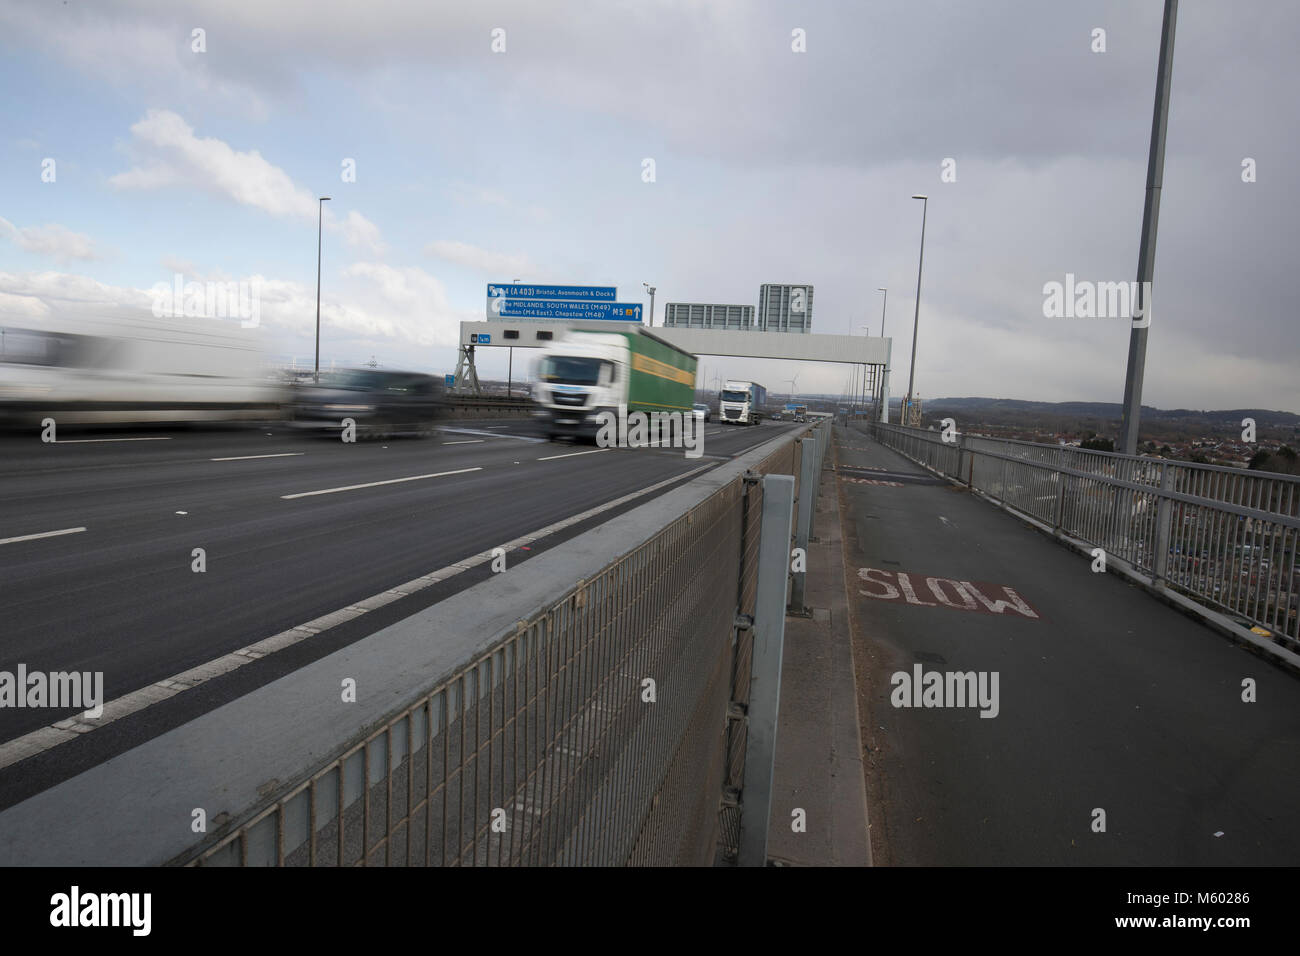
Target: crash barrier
pixel 488 406
pixel 631 720
pixel 1224 537
pixel 613 701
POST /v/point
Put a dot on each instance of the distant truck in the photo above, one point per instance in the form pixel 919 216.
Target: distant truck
pixel 586 373
pixel 742 403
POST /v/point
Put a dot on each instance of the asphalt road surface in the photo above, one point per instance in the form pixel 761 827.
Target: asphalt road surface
pixel 1108 699
pixel 292 528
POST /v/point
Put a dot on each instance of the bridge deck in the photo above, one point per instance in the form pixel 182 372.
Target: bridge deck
pixel 1107 698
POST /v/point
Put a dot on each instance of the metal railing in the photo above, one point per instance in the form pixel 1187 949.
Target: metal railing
pixel 1225 537
pixel 607 727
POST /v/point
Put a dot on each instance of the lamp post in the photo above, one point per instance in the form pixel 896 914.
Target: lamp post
pixel 651 289
pixel 320 207
pixel 916 318
pixel 510 369
pixel 1137 342
pixel 866 333
pixel 883 302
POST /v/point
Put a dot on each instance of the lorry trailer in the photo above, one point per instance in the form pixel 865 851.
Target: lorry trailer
pixel 586 373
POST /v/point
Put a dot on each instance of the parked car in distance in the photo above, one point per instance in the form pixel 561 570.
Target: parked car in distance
pixel 699 407
pixel 777 416
pixel 379 402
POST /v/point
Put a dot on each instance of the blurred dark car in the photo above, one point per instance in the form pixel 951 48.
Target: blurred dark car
pixel 381 403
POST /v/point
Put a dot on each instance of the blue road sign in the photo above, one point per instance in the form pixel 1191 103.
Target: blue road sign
pixel 480 338
pixel 573 293
pixel 561 310
pixel 449 380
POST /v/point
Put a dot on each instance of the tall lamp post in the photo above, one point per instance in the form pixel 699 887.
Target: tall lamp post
pixel 651 289
pixel 1137 342
pixel 320 207
pixel 881 383
pixel 510 369
pixel 916 318
pixel 860 393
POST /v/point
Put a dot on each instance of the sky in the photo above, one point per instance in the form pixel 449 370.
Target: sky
pixel 500 140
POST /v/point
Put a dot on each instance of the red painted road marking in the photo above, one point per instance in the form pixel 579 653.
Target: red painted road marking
pixel 979 596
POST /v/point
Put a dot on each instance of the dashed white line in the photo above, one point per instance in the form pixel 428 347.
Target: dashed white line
pixel 573 454
pixel 376 484
pixel 92 441
pixel 283 454
pixel 43 534
pixel 488 434
pixel 38 741
pixel 466 441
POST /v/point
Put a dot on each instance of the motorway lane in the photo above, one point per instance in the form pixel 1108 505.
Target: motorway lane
pixel 121 597
pixel 1109 699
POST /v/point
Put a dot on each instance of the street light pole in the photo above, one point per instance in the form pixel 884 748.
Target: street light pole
pixel 883 302
pixel 1137 342
pixel 862 392
pixel 510 369
pixel 320 207
pixel 916 317
pixel 651 290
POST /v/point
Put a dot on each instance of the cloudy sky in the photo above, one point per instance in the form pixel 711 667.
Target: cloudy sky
pixel 770 165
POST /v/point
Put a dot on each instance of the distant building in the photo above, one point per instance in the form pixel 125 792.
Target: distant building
pixel 701 315
pixel 784 308
pixel 781 308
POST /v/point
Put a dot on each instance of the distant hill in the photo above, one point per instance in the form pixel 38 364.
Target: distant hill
pixel 1015 411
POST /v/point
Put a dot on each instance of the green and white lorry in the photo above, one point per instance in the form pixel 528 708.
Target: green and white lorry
pixel 586 373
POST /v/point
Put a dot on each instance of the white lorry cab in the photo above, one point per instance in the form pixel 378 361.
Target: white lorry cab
pixel 742 403
pixel 586 373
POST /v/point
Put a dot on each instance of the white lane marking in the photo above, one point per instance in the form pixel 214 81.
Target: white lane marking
pixel 47 738
pixel 573 454
pixel 487 434
pixel 182 512
pixel 376 484
pixel 43 534
pixel 466 441
pixel 945 521
pixel 283 454
pixel 92 441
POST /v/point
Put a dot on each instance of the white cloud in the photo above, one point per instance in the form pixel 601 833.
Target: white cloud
pixel 58 242
pixel 67 287
pixel 406 309
pixel 410 304
pixel 360 232
pixel 173 155
pixel 482 260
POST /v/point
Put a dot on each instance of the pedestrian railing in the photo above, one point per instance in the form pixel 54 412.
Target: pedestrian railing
pixel 1225 537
